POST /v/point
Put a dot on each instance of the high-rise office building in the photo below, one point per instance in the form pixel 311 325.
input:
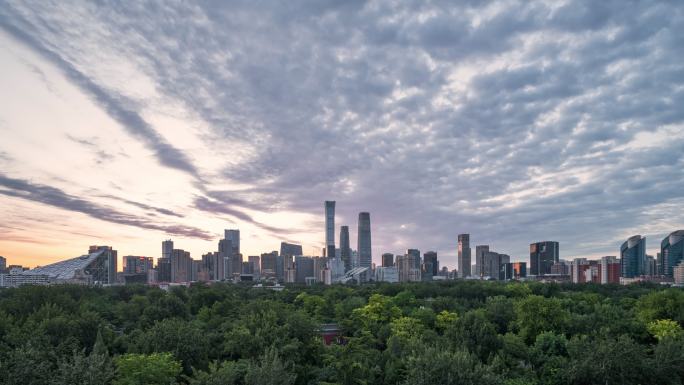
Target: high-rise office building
pixel 633 257
pixel 167 248
pixel 3 264
pixel 480 250
pixel 233 235
pixel 609 269
pixel 543 255
pixel 111 258
pixel 164 269
pixel 133 264
pixel 464 255
pixel 290 249
pixel 229 249
pixel 406 268
pixel 181 266
pixel 650 266
pixel 345 249
pixel 225 250
pixel 430 263
pixel 364 240
pixel 270 268
pixel 387 260
pixel 671 252
pixel 330 228
pixel 491 263
pixel 416 257
pixel 255 261
pixel 214 265
pixel 519 270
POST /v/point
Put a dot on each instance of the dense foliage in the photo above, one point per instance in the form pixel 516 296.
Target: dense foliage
pixel 465 332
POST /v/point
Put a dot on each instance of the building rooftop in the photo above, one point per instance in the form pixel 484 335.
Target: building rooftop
pixel 67 269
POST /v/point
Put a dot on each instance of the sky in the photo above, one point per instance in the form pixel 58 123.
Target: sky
pixel 127 123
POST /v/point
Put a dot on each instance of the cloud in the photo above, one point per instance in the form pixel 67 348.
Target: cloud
pixel 515 121
pixel 144 206
pixel 217 207
pixel 116 105
pixel 55 197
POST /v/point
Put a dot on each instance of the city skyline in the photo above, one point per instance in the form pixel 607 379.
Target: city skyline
pixel 515 123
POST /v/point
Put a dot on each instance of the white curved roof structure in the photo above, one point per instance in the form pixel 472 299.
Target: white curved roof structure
pixel 68 269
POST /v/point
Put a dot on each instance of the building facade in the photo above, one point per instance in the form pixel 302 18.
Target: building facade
pixel 387 260
pixel 364 240
pixel 386 274
pixel 480 251
pixel 136 264
pixel 290 249
pixel 519 270
pixel 430 265
pixel 543 255
pixel 671 252
pixel 464 256
pixel 330 228
pixel 610 270
pixel 633 257
pixel 345 248
pixel 181 266
pixel 406 268
pixel 491 264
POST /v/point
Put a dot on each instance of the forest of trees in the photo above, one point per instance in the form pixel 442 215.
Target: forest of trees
pixel 458 332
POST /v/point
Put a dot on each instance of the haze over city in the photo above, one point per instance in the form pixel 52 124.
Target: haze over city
pixel 515 122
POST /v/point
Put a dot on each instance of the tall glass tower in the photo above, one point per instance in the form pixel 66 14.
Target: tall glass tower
pixel 464 255
pixel 345 249
pixel 542 256
pixel 364 240
pixel 234 237
pixel 633 257
pixel 671 252
pixel 330 229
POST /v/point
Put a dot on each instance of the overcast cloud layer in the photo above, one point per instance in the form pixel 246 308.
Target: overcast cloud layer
pixel 513 121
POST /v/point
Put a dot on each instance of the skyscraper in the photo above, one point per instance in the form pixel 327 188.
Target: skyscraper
pixel 304 268
pixel 406 268
pixel 491 264
pixel 480 251
pixel 431 263
pixel 387 260
pixel 213 263
pixel 167 248
pixel 164 269
pixel 269 265
pixel 345 249
pixel 542 256
pixel 225 250
pixel 255 261
pixel 233 235
pixel 364 240
pixel 416 257
pixel 464 255
pixel 330 228
pixel 181 266
pixel 633 257
pixel 671 252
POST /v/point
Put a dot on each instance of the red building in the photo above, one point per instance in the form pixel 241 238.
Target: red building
pixel 609 270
